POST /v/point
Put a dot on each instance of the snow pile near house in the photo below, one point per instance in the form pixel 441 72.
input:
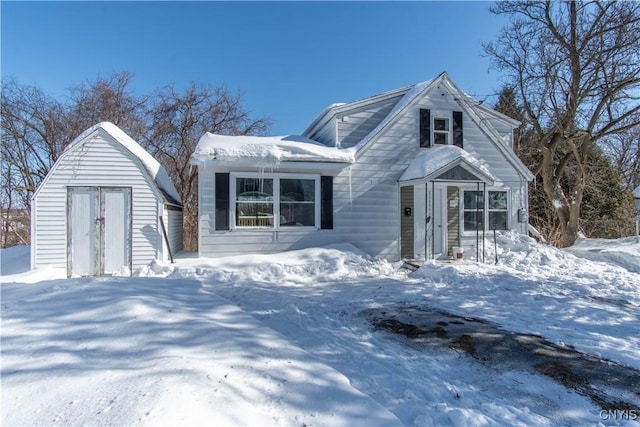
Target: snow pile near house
pixel 302 267
pixel 623 252
pixel 267 149
pixel 539 289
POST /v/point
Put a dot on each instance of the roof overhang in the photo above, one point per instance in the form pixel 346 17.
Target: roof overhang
pixel 439 165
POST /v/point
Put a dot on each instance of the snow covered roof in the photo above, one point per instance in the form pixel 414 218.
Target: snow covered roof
pixel 431 163
pixel 636 192
pixel 288 148
pixel 151 165
pixel 408 97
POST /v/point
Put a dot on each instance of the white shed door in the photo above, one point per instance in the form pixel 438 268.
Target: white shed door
pixel 115 210
pixel 99 231
pixel 82 237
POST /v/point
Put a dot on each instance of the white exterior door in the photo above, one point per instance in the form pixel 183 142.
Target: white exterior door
pixel 115 208
pixel 83 239
pixel 99 231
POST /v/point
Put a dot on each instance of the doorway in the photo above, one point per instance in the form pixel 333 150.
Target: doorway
pixel 98 231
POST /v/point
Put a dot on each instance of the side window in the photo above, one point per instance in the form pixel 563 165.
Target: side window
pixel 297 202
pixel 498 210
pixel 441 130
pixel 473 210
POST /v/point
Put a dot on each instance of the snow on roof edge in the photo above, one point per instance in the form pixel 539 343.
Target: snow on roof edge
pixel 157 172
pixel 427 163
pixel 406 99
pixel 267 148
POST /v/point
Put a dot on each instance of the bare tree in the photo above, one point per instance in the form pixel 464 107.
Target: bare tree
pixel 107 99
pixel 36 129
pixel 624 150
pixel 576 68
pixel 178 120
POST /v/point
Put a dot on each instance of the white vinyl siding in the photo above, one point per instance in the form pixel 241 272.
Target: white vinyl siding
pixel 353 125
pixel 173 222
pixel 100 162
pixel 326 134
pixel 366 194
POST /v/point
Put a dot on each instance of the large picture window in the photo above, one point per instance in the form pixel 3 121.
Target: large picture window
pixel 276 201
pixel 474 210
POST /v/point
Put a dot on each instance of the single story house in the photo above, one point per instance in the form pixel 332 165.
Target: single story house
pixel 421 172
pixel 105 207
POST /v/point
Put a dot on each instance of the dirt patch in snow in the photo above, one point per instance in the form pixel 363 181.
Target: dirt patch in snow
pixel 608 384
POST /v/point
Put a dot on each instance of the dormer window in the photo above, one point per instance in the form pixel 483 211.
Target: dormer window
pixel 440 128
pixel 440 131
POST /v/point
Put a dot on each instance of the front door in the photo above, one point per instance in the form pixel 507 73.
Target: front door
pixel 99 231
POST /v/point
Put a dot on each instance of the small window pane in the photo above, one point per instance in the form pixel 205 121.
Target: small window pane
pixel 497 200
pixel 297 214
pixel 473 221
pixel 440 138
pixel 300 190
pixel 497 220
pixel 254 189
pixel 441 124
pixel 474 200
pixel 254 214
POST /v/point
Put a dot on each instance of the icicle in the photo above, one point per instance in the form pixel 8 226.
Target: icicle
pixel 350 188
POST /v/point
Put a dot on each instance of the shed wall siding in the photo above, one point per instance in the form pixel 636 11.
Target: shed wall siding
pixel 173 222
pixel 98 162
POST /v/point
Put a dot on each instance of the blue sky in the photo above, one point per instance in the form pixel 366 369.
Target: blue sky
pixel 289 59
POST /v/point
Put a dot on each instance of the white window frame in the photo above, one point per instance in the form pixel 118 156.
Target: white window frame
pixel 233 176
pixel 441 115
pixel 489 210
pixel 485 211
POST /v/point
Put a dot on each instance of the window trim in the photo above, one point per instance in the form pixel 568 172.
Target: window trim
pixel 485 211
pixel 276 200
pixel 434 131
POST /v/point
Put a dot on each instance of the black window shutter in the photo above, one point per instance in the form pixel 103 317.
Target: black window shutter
pixel 222 201
pixel 457 129
pixel 425 128
pixel 326 202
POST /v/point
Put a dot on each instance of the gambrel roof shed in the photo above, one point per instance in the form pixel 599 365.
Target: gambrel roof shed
pixel 103 206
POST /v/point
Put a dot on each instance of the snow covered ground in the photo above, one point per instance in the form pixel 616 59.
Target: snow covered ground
pixel 282 339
